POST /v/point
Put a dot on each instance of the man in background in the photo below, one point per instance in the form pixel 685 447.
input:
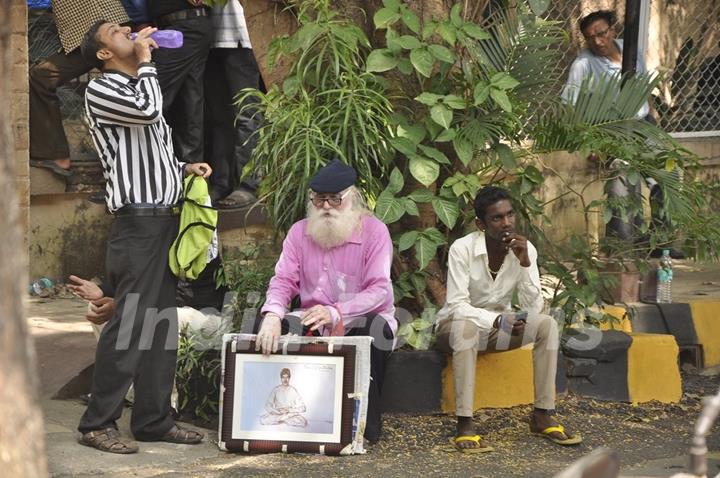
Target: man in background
pixel 231 67
pixel 49 147
pixel 603 56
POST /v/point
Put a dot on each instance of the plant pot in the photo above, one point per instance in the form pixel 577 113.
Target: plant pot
pixel 626 284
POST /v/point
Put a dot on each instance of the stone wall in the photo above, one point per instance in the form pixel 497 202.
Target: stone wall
pixel 19 107
pixel 574 175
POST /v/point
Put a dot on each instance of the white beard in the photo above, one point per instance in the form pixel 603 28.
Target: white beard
pixel 331 228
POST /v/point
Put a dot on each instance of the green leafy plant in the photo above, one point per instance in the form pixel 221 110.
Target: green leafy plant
pixel 442 106
pixel 328 106
pixel 246 273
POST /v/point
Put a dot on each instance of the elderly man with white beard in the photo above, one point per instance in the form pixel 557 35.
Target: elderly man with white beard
pixel 337 261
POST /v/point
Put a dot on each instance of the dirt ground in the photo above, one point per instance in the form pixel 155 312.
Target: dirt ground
pixel 418 445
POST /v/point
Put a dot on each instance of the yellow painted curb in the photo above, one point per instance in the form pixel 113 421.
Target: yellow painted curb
pixel 653 372
pixel 502 380
pixel 706 318
pixel 621 315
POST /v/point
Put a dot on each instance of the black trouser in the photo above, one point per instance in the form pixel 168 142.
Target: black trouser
pixel 227 148
pixel 47 136
pixel 135 347
pixel 619 188
pixel 374 326
pixel 180 73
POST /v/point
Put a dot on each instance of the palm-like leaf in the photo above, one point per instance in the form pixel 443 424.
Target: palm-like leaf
pixel 604 112
pixel 524 46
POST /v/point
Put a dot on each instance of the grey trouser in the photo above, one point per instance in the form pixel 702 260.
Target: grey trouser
pixel 464 339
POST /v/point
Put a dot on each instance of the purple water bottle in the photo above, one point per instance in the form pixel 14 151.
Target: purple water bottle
pixel 165 38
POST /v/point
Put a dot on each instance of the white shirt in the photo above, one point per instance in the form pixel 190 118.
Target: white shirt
pixel 472 294
pixel 229 26
pixel 588 64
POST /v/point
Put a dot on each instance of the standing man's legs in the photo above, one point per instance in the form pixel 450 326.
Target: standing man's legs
pixel 241 71
pixel 219 131
pixel 180 73
pixel 47 136
pixel 138 269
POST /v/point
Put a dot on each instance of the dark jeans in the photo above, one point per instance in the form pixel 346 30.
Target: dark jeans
pixel 374 326
pixel 227 132
pixel 136 345
pixel 180 73
pixel 47 136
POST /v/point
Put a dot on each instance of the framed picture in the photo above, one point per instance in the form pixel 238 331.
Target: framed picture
pixel 301 400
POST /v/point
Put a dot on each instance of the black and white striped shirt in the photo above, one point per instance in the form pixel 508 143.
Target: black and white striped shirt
pixel 133 140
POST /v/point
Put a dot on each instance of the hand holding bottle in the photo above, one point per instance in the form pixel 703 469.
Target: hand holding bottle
pixel 163 38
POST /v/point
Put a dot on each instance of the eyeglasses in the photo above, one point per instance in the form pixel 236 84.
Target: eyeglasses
pixel 601 34
pixel 334 201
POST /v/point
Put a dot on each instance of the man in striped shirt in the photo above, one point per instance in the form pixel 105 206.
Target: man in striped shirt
pixel 144 183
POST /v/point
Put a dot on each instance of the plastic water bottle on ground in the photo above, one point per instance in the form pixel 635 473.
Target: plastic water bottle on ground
pixel 40 286
pixel 664 279
pixel 165 38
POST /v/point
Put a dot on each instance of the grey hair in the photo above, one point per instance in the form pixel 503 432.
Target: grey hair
pixel 359 201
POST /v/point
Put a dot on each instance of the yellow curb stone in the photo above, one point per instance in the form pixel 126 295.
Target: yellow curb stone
pixel 706 318
pixel 502 380
pixel 653 372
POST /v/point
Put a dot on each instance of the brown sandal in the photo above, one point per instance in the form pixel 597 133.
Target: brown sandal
pixel 108 440
pixel 182 435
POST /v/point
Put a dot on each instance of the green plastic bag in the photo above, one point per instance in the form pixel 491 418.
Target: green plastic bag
pixel 198 222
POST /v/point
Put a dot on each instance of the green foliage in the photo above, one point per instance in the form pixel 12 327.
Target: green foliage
pixel 418 333
pixel 246 273
pixel 197 375
pixel 442 107
pixel 327 106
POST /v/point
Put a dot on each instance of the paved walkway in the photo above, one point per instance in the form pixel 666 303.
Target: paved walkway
pixel 652 439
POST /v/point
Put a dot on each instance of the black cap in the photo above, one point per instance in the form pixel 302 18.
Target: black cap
pixel 334 177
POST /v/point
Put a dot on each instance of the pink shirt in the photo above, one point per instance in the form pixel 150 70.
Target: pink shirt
pixel 354 277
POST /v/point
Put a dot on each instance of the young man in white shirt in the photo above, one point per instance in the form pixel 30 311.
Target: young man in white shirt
pixel 485 269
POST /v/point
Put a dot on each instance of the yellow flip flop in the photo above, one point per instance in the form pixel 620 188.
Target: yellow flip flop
pixel 473 438
pixel 570 440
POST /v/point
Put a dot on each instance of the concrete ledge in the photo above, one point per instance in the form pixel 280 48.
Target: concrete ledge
pixel 695 326
pixel 44 181
pixel 619 313
pixel 502 380
pixel 706 319
pixel 413 381
pixel 653 372
pixel 597 369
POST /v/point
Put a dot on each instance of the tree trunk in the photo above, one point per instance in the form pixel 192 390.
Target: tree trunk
pixel 22 437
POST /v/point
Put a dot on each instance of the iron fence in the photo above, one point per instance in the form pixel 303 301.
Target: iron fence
pixel 682 44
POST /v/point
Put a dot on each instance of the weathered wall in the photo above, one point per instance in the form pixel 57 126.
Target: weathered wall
pixel 67 236
pixel 19 107
pixel 574 179
pixel 571 182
